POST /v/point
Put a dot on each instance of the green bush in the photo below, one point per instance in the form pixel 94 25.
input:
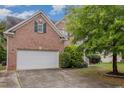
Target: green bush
pixel 64 60
pixel 2 55
pixel 70 58
pixel 94 58
pixel 70 49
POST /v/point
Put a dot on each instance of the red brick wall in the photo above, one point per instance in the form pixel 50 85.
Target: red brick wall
pixel 26 38
pixel 61 24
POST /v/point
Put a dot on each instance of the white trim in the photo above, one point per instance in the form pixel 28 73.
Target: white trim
pixel 9 33
pixel 39 27
pixel 7 55
pixel 51 23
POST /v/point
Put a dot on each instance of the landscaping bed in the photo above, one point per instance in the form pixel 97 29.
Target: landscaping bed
pixel 117 75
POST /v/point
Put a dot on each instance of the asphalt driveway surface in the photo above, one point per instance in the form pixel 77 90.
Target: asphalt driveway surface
pixel 56 79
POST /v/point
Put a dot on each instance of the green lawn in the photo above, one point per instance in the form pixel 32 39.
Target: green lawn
pixel 2 67
pixel 108 66
pixel 97 71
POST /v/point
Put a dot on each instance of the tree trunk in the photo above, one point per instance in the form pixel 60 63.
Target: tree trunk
pixel 122 58
pixel 115 70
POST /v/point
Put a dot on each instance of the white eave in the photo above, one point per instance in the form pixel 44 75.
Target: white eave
pixel 9 33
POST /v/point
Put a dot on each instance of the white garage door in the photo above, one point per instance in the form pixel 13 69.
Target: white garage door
pixel 37 59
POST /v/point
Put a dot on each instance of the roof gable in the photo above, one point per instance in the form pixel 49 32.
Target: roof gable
pixel 14 28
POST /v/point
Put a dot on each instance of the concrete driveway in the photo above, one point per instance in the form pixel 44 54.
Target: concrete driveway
pixel 56 79
pixel 9 80
pixel 49 79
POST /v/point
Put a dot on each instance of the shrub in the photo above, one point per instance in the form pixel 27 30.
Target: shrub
pixel 70 58
pixel 3 63
pixel 70 49
pixel 76 59
pixel 64 60
pixel 94 58
pixel 2 55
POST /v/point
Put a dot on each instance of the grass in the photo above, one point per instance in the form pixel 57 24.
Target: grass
pixel 108 66
pixel 2 67
pixel 97 71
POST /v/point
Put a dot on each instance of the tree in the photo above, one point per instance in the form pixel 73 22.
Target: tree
pixel 2 38
pixel 122 58
pixel 100 27
pixel 2 42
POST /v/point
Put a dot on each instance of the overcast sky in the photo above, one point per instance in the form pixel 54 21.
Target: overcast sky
pixel 55 12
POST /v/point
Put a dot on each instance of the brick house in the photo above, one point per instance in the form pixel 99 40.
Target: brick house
pixel 61 25
pixel 34 43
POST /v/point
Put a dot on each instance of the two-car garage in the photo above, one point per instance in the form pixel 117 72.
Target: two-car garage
pixel 30 59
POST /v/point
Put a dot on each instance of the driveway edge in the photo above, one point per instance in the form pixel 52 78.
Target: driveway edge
pixel 19 82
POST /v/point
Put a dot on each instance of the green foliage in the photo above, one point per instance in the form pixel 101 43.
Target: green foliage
pixel 65 60
pixel 2 26
pixel 2 42
pixel 2 67
pixel 101 27
pixel 94 58
pixel 71 48
pixel 2 38
pixel 2 55
pixel 70 58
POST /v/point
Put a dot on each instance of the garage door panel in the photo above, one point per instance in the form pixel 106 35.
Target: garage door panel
pixel 37 59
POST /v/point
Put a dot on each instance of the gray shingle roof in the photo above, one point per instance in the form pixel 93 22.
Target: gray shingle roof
pixel 12 21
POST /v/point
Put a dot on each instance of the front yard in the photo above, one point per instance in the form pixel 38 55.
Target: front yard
pixel 84 77
pixel 2 67
pixel 97 71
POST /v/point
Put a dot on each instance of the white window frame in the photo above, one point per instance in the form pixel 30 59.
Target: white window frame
pixel 39 29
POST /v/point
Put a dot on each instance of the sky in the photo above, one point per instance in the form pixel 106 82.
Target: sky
pixel 54 12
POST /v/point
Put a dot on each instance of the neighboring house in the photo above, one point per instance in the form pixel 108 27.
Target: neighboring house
pixel 61 28
pixel 33 43
pixel 109 58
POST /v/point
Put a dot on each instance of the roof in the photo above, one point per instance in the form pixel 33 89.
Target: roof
pixel 14 28
pixel 60 21
pixel 12 21
pixel 61 30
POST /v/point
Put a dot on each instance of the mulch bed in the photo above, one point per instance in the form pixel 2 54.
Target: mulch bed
pixel 117 75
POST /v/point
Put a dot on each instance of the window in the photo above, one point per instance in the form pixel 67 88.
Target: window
pixel 40 27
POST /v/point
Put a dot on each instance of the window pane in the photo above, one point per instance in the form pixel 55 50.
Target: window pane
pixel 40 27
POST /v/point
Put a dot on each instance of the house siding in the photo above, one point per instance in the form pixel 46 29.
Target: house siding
pixel 25 38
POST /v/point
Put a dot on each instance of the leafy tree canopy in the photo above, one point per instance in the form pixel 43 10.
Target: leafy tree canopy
pixel 2 42
pixel 2 38
pixel 100 27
